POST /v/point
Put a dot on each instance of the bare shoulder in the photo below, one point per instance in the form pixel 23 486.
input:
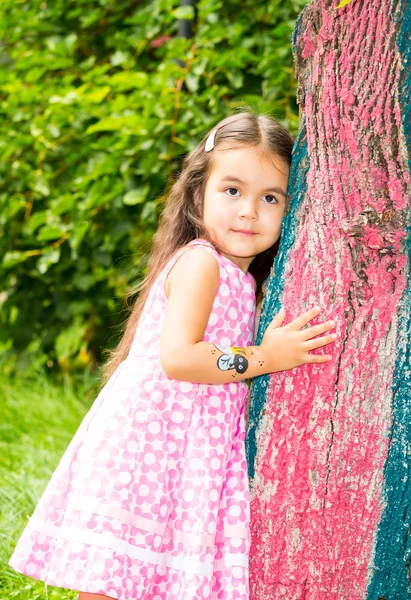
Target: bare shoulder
pixel 196 265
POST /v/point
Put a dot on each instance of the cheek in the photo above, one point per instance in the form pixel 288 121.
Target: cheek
pixel 273 221
pixel 216 210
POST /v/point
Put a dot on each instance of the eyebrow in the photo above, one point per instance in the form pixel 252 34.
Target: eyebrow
pixel 275 189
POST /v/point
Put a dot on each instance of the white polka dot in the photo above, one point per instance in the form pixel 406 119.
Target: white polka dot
pixel 250 305
pixel 140 416
pixel 233 388
pixel 214 495
pixel 31 569
pixel 195 464
pixel 224 289
pixel 85 516
pixel 157 306
pixel 149 458
pixel 234 511
pixel 211 528
pixel 129 585
pixel 171 447
pixel 69 578
pixel 94 485
pixel 175 588
pixel 186 386
pixel 99 566
pixel 104 454
pixel 215 463
pixel 157 396
pixel 143 490
pixel 148 386
pixel 214 401
pixel 232 482
pixel 186 526
pixel 132 446
pixel 124 477
pixel 157 541
pixel 188 495
pixel 154 427
pixel 150 573
pixel 161 570
pixel 213 319
pixel 41 539
pixel 237 282
pixel 206 591
pixel 215 432
pixel 236 542
pixel 77 546
pixel 163 510
pixel 237 572
pixel 232 313
pixel 225 341
pixel 177 417
pixel 113 424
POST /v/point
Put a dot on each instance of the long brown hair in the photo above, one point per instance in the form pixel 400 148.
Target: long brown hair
pixel 181 220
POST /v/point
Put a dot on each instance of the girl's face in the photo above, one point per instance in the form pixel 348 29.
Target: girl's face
pixel 244 203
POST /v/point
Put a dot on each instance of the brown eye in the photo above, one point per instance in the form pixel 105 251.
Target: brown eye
pixel 270 199
pixel 232 189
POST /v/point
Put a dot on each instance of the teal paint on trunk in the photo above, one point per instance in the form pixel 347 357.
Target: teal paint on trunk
pixel 272 303
pixel 391 576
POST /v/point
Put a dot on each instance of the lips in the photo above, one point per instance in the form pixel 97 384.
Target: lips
pixel 245 232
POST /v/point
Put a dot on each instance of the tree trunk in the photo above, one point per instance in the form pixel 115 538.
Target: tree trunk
pixel 329 446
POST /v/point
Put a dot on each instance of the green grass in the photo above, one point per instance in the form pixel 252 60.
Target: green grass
pixel 38 420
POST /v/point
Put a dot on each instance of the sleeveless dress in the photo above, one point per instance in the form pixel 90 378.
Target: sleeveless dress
pixel 151 499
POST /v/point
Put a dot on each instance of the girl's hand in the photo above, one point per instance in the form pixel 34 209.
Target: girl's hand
pixel 289 346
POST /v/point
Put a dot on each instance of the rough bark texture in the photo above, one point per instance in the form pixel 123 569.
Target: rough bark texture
pixel 330 446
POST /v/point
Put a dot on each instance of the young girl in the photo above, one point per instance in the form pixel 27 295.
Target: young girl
pixel 150 501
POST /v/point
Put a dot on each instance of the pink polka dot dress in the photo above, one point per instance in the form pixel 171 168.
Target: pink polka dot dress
pixel 151 500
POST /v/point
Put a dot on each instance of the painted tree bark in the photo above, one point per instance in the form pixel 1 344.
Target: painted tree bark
pixel 329 447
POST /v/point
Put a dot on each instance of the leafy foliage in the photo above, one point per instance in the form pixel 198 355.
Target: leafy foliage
pixel 99 101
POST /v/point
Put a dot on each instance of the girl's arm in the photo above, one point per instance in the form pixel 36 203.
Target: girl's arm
pixel 191 288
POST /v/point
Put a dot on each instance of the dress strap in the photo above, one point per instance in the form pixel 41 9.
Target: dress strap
pixel 194 243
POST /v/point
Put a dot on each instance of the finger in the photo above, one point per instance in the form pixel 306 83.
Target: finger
pixel 278 319
pixel 312 332
pixel 305 318
pixel 320 342
pixel 316 359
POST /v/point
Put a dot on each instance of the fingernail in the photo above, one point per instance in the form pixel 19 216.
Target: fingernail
pixel 334 337
pixel 316 307
pixel 332 323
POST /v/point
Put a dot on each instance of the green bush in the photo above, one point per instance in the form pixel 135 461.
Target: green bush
pixel 99 101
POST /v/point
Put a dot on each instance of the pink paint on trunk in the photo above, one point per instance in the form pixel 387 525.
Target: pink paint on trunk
pixel 323 439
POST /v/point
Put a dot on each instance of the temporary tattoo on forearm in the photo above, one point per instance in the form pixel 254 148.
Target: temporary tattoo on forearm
pixel 234 358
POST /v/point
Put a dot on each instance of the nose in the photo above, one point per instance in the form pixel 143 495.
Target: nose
pixel 248 210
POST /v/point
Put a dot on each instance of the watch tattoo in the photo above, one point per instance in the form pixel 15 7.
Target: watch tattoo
pixel 233 358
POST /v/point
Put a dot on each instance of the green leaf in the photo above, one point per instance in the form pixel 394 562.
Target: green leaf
pixel 127 81
pixel 132 123
pixel 82 281
pixel 50 257
pixel 136 196
pixel 50 232
pixel 184 12
pixel 13 258
pixel 97 95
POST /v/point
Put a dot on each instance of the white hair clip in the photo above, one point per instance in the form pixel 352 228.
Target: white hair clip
pixel 209 145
